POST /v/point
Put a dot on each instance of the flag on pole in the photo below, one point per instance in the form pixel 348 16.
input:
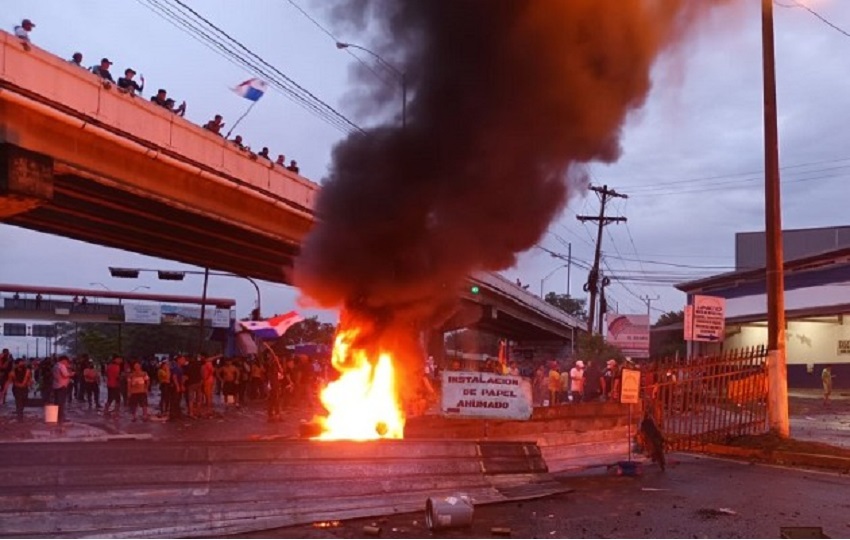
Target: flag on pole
pixel 272 328
pixel 252 89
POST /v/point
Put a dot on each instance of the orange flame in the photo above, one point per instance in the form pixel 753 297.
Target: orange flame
pixel 363 403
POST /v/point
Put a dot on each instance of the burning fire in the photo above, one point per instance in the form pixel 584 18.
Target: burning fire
pixel 363 403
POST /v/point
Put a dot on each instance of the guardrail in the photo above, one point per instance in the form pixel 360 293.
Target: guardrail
pixel 37 77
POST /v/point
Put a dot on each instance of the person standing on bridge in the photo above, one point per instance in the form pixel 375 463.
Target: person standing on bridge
pixel 127 84
pixel 22 32
pixel 76 59
pixel 215 125
pixel 102 71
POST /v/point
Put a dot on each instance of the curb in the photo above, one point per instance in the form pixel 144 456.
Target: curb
pixel 779 457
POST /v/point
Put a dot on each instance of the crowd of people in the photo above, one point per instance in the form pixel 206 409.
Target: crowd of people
pixel 182 386
pixel 130 86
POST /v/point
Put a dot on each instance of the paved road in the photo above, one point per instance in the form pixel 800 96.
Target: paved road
pixel 684 502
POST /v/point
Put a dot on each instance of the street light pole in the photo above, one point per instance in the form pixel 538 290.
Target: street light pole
pixel 777 370
pixel 547 276
pixel 401 75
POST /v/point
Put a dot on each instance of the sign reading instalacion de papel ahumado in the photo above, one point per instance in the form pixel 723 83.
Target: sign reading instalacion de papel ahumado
pixel 485 395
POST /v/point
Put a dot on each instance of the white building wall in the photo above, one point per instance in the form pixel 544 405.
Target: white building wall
pixel 807 342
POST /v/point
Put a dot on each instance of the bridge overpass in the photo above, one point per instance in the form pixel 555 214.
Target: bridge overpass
pixel 85 161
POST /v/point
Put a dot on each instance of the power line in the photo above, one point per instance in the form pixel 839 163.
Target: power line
pixel 337 40
pixel 759 172
pixel 251 53
pixel 187 21
pixel 816 14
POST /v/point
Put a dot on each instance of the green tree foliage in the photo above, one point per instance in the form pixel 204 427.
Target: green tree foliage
pixel 472 341
pixel 664 343
pixel 595 348
pixel 577 307
pixel 309 330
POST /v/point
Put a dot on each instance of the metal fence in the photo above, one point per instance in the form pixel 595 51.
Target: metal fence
pixel 709 398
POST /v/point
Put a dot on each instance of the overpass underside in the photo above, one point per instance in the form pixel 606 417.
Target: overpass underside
pixel 60 199
pixel 85 206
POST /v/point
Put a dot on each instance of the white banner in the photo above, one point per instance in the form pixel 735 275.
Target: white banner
pixel 142 313
pixel 629 333
pixel 191 316
pixel 485 395
pixel 709 318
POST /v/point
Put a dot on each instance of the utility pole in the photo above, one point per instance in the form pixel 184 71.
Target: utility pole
pixel 592 285
pixel 648 300
pixel 777 370
pixel 569 265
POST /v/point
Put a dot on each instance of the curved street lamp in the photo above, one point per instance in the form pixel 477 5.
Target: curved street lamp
pixel 402 76
pixel 550 274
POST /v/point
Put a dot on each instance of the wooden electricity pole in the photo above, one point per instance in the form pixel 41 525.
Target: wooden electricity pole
pixel 777 370
pixel 592 285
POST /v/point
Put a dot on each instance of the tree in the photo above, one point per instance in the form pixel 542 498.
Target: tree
pixel 309 330
pixel 665 341
pixel 594 347
pixel 671 317
pixel 473 341
pixel 577 307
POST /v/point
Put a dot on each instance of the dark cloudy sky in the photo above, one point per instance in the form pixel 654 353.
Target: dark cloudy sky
pixel 691 164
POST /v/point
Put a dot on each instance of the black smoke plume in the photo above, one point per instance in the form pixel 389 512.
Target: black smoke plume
pixel 507 100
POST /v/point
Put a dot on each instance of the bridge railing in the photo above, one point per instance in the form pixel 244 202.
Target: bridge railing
pixel 42 78
pixel 505 287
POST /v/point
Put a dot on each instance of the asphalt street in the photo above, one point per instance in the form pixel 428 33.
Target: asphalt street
pixel 698 497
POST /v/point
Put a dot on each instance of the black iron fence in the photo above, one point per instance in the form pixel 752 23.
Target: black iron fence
pixel 708 399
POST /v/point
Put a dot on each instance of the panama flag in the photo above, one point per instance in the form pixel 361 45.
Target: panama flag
pixel 252 89
pixel 272 328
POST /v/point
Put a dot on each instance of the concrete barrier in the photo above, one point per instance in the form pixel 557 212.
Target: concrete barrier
pixel 569 436
pixel 179 489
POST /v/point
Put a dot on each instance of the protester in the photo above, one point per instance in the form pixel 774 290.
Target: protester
pixel 77 60
pixel 281 160
pixel 113 385
pixel 91 385
pixel 138 384
pixel 577 382
pixel 160 98
pixel 163 375
pixel 593 382
pixel 20 379
pixel 22 32
pixel 179 111
pixel 215 125
pixel 293 166
pixel 102 71
pixel 178 388
pixel 554 384
pixel 264 153
pixel 127 84
pixel 826 379
pixel 228 375
pixel 237 142
pixel 62 376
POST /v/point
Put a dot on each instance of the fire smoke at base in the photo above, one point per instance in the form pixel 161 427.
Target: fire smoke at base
pixel 508 100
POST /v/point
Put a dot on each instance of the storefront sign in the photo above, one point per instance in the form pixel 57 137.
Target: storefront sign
pixel 629 333
pixel 709 318
pixel 844 346
pixel 485 395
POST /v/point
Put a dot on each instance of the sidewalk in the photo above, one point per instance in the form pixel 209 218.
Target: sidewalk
pixel 231 424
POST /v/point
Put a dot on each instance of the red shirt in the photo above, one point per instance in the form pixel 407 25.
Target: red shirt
pixel 113 376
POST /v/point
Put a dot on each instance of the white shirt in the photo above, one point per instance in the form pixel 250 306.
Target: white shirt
pixel 576 379
pixel 22 33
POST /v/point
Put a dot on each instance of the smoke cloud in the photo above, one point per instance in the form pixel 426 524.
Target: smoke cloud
pixel 508 99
